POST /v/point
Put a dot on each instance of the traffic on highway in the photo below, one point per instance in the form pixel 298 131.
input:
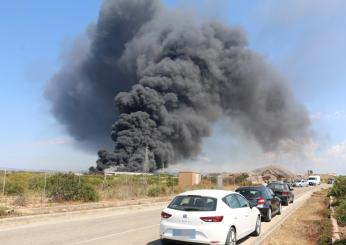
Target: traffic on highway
pixel 223 217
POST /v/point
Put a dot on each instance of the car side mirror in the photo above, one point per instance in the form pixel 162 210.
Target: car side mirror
pixel 252 205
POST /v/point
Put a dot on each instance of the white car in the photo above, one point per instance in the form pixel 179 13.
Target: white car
pixel 209 217
pixel 314 180
pixel 302 183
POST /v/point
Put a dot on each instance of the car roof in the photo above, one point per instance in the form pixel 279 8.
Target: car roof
pixel 276 183
pixel 208 193
pixel 256 187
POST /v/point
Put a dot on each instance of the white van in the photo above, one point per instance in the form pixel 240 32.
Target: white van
pixel 314 180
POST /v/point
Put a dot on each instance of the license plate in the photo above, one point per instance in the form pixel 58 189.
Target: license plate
pixel 190 233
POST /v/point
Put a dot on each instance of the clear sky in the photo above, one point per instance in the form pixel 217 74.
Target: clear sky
pixel 304 39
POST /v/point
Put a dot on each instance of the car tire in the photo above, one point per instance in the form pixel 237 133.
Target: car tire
pixel 280 209
pixel 269 215
pixel 231 237
pixel 286 202
pixel 166 242
pixel 258 228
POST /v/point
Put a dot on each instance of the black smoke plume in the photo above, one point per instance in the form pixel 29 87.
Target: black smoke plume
pixel 172 77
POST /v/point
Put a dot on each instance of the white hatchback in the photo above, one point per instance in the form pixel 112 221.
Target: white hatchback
pixel 209 217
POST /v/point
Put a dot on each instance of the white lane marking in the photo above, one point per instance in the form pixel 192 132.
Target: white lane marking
pixel 114 234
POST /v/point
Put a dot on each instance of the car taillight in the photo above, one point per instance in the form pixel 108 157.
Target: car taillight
pixel 212 219
pixel 285 193
pixel 165 215
pixel 260 201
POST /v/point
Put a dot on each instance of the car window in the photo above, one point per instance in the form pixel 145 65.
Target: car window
pixel 276 186
pixel 286 188
pixel 270 193
pixel 243 202
pixel 193 203
pixel 250 193
pixel 231 201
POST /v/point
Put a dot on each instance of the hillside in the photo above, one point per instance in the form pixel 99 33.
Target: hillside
pixel 277 171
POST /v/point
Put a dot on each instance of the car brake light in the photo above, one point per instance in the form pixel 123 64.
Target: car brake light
pixel 212 219
pixel 260 201
pixel 165 215
pixel 285 193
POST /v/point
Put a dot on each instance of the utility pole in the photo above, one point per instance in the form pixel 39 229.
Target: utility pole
pixel 44 187
pixel 4 183
pixel 146 160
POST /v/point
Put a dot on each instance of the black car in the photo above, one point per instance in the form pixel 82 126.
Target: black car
pixel 283 191
pixel 263 198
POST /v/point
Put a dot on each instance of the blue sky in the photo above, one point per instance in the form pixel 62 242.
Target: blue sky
pixel 305 40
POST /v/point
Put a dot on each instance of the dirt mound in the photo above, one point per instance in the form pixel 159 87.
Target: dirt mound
pixel 278 172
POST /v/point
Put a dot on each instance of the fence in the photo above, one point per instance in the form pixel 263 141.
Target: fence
pixel 44 187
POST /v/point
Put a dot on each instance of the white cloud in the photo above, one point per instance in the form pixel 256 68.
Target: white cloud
pixel 57 141
pixel 328 116
pixel 338 151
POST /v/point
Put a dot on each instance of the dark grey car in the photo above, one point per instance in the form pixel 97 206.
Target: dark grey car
pixel 263 198
pixel 283 191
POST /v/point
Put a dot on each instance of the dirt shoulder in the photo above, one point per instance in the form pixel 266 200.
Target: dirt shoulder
pixel 306 225
pixel 75 207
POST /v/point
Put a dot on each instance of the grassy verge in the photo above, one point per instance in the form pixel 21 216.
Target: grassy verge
pixel 338 191
pixel 309 224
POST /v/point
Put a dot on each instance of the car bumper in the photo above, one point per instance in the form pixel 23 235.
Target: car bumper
pixel 264 212
pixel 284 199
pixel 208 234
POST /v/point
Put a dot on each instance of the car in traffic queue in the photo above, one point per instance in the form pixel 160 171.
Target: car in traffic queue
pixel 209 217
pixel 314 180
pixel 301 183
pixel 283 191
pixel 331 181
pixel 263 198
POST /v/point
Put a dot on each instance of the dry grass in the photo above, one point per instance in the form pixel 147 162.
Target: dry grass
pixel 306 226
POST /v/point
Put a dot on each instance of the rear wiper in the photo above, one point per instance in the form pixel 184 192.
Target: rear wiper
pixel 192 209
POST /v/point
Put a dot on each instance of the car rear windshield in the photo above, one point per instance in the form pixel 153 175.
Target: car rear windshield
pixel 312 178
pixel 193 203
pixel 250 193
pixel 277 186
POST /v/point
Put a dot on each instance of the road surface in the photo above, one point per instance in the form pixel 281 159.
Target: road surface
pixel 137 225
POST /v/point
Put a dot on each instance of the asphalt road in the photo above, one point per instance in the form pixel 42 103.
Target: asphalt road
pixel 138 225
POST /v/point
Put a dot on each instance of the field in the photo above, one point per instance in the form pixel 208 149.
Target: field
pixel 38 189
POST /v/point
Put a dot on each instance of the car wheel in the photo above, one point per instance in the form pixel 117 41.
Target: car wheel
pixel 285 203
pixel 269 215
pixel 165 242
pixel 280 209
pixel 257 231
pixel 231 237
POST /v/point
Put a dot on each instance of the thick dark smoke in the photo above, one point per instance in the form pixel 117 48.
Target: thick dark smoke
pixel 172 78
pixel 82 92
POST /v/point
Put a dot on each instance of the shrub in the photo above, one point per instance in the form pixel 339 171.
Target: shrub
pixel 341 212
pixel 241 178
pixel 154 191
pixel 339 187
pixel 16 183
pixel 36 182
pixel 14 188
pixel 88 193
pixel 66 187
